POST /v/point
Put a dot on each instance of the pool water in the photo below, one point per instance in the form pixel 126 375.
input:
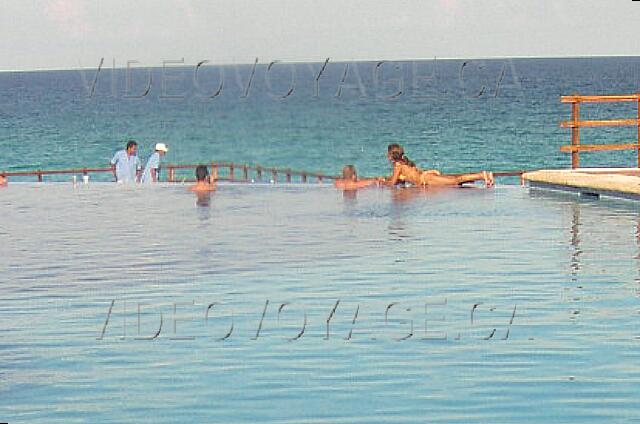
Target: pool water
pixel 299 304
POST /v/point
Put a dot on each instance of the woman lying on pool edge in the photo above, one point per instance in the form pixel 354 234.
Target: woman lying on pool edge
pixel 404 170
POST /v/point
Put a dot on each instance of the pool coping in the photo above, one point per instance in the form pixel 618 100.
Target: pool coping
pixel 621 183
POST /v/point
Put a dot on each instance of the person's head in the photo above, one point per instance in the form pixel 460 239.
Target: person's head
pixel 161 148
pixel 202 173
pixel 349 173
pixel 3 180
pixel 395 153
pixel 131 147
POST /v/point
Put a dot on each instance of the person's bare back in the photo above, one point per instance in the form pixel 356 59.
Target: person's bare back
pixel 204 183
pixel 202 187
pixel 350 180
pixel 354 185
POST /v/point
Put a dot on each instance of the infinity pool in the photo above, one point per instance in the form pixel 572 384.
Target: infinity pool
pixel 298 304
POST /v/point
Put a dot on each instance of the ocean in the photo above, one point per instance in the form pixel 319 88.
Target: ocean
pixel 453 115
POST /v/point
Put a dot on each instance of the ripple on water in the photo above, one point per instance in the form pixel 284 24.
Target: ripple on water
pixel 501 306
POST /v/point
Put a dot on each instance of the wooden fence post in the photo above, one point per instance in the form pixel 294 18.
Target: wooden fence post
pixel 575 133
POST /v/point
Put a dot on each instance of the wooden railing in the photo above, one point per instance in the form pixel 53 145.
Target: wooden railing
pixel 247 172
pixel 222 171
pixel 575 124
pixel 41 173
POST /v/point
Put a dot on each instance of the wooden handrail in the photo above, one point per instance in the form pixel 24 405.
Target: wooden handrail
pixel 599 147
pixel 575 124
pixel 601 123
pixel 171 172
pixel 601 99
pixel 257 168
pixel 83 171
pixel 171 169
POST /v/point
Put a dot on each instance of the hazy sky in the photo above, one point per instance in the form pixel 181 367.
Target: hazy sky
pixel 77 33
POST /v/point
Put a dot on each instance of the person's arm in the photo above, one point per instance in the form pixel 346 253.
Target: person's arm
pixel 138 169
pixel 396 175
pixel 114 161
pixel 155 168
pixel 366 182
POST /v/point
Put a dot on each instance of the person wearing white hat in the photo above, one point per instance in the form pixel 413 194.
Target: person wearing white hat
pixel 151 171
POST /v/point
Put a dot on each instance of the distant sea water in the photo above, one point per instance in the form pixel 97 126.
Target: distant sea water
pixel 454 115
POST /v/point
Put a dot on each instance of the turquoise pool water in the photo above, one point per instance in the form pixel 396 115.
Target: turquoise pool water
pixel 467 305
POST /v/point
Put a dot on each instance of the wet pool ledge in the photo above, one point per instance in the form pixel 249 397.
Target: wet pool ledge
pixel 613 182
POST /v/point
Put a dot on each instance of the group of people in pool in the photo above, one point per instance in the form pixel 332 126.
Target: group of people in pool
pixel 405 171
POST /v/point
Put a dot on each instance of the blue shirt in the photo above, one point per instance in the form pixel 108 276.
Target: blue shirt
pixel 152 163
pixel 126 166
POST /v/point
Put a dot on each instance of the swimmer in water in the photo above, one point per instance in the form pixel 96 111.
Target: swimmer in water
pixel 204 182
pixel 404 170
pixel 350 181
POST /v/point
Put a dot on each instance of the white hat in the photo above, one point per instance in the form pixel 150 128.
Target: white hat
pixel 161 147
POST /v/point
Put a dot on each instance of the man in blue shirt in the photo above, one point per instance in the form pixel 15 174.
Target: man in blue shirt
pixel 126 165
pixel 151 171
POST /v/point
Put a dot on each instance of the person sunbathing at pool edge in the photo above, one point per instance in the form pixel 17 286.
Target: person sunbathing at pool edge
pixel 404 170
pixel 350 181
pixel 204 183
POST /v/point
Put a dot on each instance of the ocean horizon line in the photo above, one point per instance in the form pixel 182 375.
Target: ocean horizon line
pixel 207 63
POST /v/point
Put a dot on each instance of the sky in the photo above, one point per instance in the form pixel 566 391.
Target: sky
pixel 69 34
